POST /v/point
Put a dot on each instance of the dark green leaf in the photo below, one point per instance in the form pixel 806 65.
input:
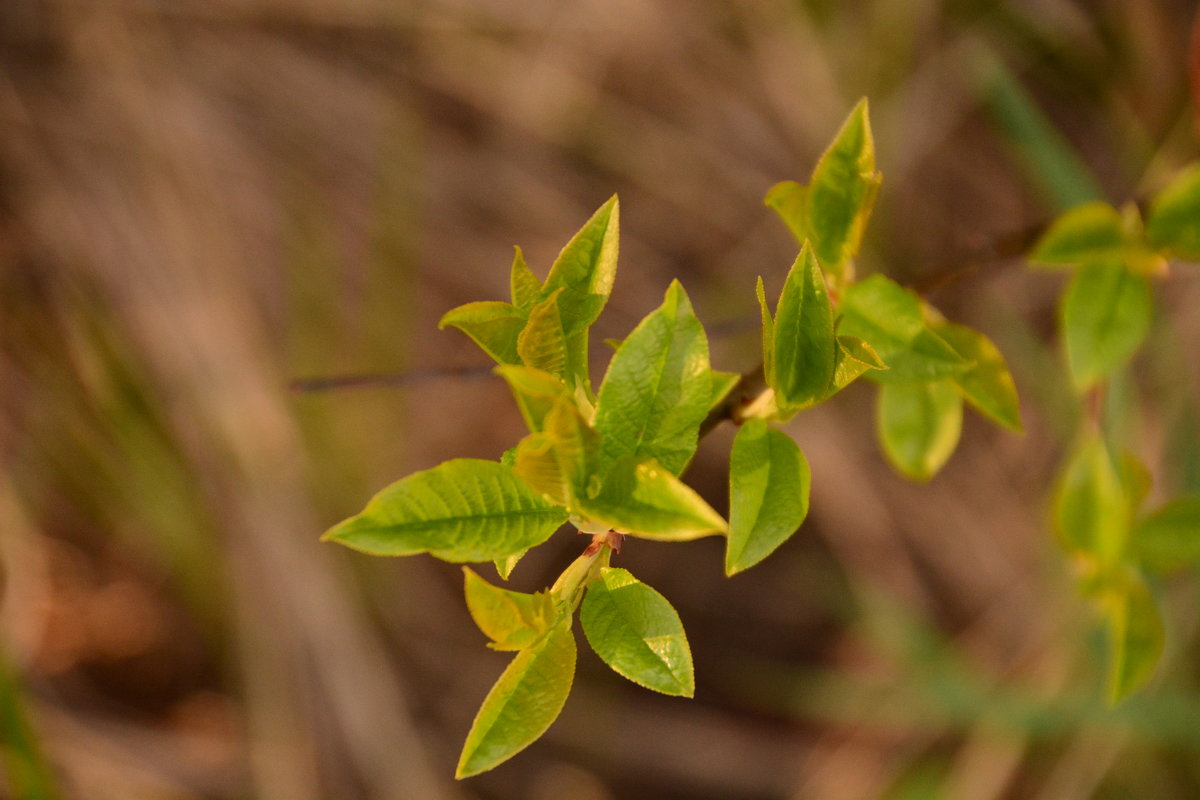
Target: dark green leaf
pixel 636 632
pixel 526 699
pixel 512 620
pixel 492 325
pixel 769 484
pixel 462 510
pixel 919 425
pixel 1084 235
pixel 1105 315
pixel 987 384
pixel 657 389
pixel 1092 512
pixel 1169 539
pixel 805 348
pixel 645 499
pixel 1173 223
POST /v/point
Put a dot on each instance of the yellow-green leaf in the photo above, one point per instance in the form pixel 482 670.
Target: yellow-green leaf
pixel 492 325
pixel 1169 539
pixel 987 383
pixel 1092 512
pixel 1173 223
pixel 541 343
pixel 1105 314
pixel 1084 235
pixel 1136 636
pixel 645 499
pixel 919 425
pixel 524 285
pixel 769 484
pixel 805 348
pixel 512 620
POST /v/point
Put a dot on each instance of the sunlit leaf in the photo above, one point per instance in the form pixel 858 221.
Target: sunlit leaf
pixel 524 285
pixel 647 500
pixel 657 388
pixel 541 344
pixel 526 699
pixel 722 384
pixel 769 484
pixel 512 620
pixel 805 348
pixel 1105 315
pixel 536 391
pixel 462 510
pixel 854 358
pixel 987 383
pixel 1173 223
pixel 1169 539
pixel 919 425
pixel 636 632
pixel 492 325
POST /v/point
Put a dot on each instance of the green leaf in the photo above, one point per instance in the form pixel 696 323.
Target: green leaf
pixel 526 699
pixel 1105 315
pixel 805 348
pixel 462 510
pixel 492 325
pixel 1136 637
pixel 1092 512
pixel 854 358
pixel 842 192
pixel 537 463
pixel 790 201
pixel 722 384
pixel 1084 235
pixel 535 390
pixel 645 499
pixel 512 620
pixel 541 344
pixel 987 384
pixel 919 425
pixel 506 565
pixel 1173 223
pixel 1169 539
pixel 525 286
pixel 636 632
pixel 657 389
pixel 768 333
pixel 576 447
pixel 769 483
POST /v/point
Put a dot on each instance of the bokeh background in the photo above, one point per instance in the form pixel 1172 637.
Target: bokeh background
pixel 228 229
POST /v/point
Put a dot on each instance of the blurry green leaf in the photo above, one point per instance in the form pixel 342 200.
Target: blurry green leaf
pixel 636 632
pixel 919 425
pixel 462 510
pixel 494 326
pixel 535 390
pixel 722 384
pixel 1091 510
pixel 645 499
pixel 541 344
pixel 512 620
pixel 524 284
pixel 768 334
pixel 805 347
pixel 1105 315
pixel 526 699
pixel 1173 223
pixel 769 483
pixel 790 201
pixel 657 388
pixel 1135 478
pixel 1169 539
pixel 1136 637
pixel 1084 235
pixel 854 358
pixel 888 317
pixel 24 769
pixel 987 384
pixel 509 457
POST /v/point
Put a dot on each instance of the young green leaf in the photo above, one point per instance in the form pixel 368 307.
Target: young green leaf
pixel 1105 315
pixel 541 344
pixel 790 201
pixel 506 565
pixel 536 391
pixel 1169 539
pixel 576 447
pixel 805 347
pixel 1092 512
pixel 646 500
pixel 1136 637
pixel 636 632
pixel 919 425
pixel 525 286
pixel 537 463
pixel 722 384
pixel 512 620
pixel 1173 223
pixel 768 333
pixel 492 325
pixel 1084 235
pixel 462 510
pixel 986 384
pixel 526 699
pixel 842 191
pixel 657 388
pixel 854 358
pixel 769 483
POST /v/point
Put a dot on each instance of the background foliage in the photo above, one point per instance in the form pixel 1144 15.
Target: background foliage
pixel 201 203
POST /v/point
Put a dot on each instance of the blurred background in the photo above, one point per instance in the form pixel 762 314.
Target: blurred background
pixel 227 232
